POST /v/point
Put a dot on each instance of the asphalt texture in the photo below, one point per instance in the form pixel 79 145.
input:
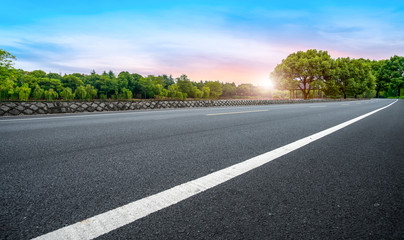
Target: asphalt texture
pixel 61 169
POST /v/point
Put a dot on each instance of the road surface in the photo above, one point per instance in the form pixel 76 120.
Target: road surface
pixel 60 170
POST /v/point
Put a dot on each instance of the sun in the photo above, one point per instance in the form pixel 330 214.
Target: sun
pixel 266 84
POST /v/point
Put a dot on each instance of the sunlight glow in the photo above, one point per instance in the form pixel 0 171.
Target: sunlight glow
pixel 266 84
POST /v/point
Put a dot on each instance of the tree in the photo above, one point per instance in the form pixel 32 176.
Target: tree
pixel 38 74
pixel 134 85
pixel 126 94
pixel 196 93
pixel 393 72
pixel 50 94
pixel 168 80
pixel 46 84
pixel 215 89
pixel 31 80
pixel 229 89
pixel 303 70
pixel 106 85
pixel 380 83
pixel 6 59
pixel 245 89
pixel 206 92
pixel 71 81
pixel 350 77
pixel 342 77
pixel 91 92
pixel 80 93
pixel 91 79
pixel 7 74
pixel 38 93
pixel 67 94
pixel 362 78
pixel 54 76
pixel 185 85
pixel 173 92
pixel 111 74
pixel 123 80
pixel 23 92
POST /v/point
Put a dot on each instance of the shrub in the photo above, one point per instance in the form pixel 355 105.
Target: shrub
pixel 50 94
pixel 38 93
pixel 67 94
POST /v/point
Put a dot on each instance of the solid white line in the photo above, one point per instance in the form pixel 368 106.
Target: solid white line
pixel 95 114
pixel 216 114
pixel 121 216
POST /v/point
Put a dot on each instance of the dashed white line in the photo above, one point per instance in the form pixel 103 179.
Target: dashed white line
pixel 227 113
pixel 105 222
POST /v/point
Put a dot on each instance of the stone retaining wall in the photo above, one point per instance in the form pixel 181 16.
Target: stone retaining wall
pixel 31 108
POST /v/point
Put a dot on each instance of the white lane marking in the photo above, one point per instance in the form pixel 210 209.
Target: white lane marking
pixel 320 106
pixel 105 222
pixel 226 113
pixel 75 116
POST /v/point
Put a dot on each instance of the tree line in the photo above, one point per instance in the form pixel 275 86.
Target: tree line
pixel 306 72
pixel 314 70
pixel 17 84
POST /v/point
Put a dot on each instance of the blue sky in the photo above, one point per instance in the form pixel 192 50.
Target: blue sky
pixel 230 41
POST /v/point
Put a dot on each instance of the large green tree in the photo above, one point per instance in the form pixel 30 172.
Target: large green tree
pixel 7 74
pixel 381 84
pixel 393 72
pixel 363 80
pixel 303 70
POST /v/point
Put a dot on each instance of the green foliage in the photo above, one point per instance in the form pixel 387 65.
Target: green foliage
pixel 280 94
pixel 185 85
pixel 215 89
pixel 37 74
pixel 197 93
pixel 80 93
pixel 350 77
pixel 38 93
pixel 6 59
pixel 7 84
pixel 362 78
pixel 67 94
pixel 173 91
pixel 71 81
pixel 46 84
pixel 54 76
pixel 229 89
pixel 91 92
pixel 103 97
pixel 7 75
pixel 168 80
pixel 245 90
pixel 303 70
pixel 31 80
pixel 206 92
pixel 107 85
pixel 23 92
pixel 392 72
pixel 51 95
pixel 126 94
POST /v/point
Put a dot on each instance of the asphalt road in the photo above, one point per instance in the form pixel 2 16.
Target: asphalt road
pixel 61 169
